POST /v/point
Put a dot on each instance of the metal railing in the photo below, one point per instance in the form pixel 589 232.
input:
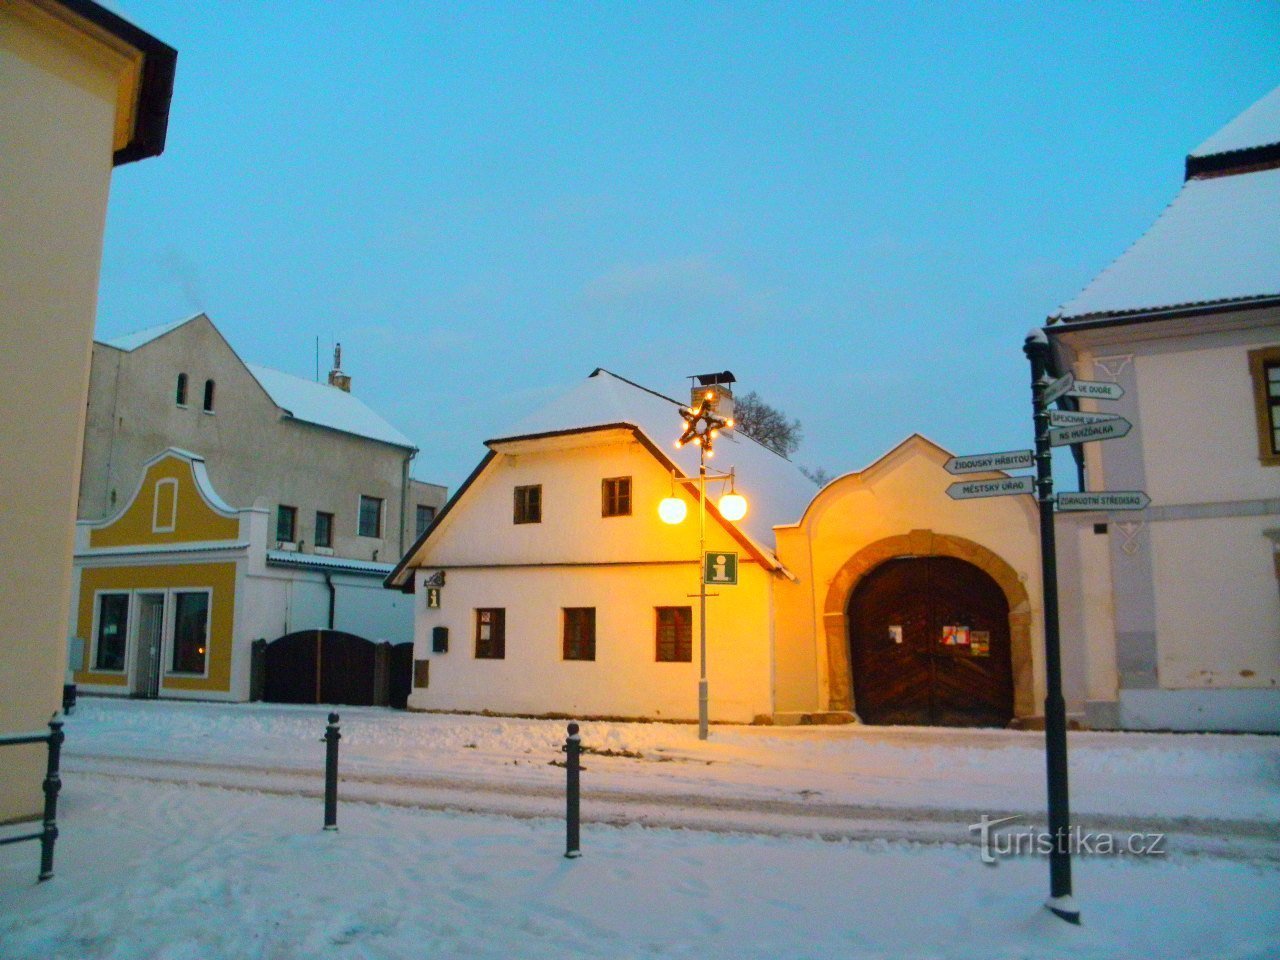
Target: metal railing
pixel 48 833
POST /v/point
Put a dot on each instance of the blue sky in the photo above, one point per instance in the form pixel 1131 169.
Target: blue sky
pixel 859 208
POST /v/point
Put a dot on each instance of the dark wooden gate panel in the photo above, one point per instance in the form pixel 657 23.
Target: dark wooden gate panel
pixel 328 666
pixel 921 680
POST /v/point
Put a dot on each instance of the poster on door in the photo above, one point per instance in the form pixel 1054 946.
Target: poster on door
pixel 980 643
pixel 955 636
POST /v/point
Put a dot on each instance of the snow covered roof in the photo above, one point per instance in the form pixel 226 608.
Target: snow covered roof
pixel 1218 242
pixel 1259 126
pixel 289 558
pixel 131 341
pixel 774 487
pixel 325 406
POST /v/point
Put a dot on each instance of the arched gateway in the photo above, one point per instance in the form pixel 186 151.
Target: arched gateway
pixel 929 628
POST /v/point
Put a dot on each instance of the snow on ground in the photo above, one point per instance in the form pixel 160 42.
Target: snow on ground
pixel 1133 774
pixel 179 872
pixel 192 832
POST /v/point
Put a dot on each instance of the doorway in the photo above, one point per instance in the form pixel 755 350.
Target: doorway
pixel 149 646
pixel 929 645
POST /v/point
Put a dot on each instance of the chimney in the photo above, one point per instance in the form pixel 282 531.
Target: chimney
pixel 719 386
pixel 336 377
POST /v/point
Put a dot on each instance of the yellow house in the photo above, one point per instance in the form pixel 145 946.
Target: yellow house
pixel 81 91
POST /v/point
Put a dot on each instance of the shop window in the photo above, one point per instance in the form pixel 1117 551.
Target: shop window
pixel 491 633
pixel 190 631
pixel 113 631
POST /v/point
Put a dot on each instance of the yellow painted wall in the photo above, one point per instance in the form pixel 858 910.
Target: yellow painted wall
pixel 196 521
pixel 220 577
pixel 58 103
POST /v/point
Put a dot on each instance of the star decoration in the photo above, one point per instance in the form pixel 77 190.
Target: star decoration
pixel 701 425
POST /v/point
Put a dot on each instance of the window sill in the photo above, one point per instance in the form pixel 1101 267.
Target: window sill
pixel 323 551
pixel 289 545
pixel 209 413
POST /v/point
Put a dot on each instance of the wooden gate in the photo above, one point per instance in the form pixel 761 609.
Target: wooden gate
pixel 329 666
pixel 929 645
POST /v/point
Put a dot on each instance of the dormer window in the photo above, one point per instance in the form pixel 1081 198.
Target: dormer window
pixel 208 396
pixel 182 390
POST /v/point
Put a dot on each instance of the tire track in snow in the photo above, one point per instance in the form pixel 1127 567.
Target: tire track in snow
pixel 1235 839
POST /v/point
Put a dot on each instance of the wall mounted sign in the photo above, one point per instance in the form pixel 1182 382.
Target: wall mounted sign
pixel 955 636
pixel 982 462
pixel 895 633
pixel 433 598
pixel 1111 429
pixel 1113 500
pixel 980 643
pixel 970 489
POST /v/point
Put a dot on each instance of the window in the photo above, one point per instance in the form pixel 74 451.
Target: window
pixel 371 516
pixel 208 396
pixel 675 634
pixel 190 631
pixel 113 631
pixel 425 515
pixel 579 633
pixel 286 523
pixel 182 390
pixel 528 507
pixel 164 506
pixel 491 633
pixel 324 529
pixel 1264 365
pixel 616 497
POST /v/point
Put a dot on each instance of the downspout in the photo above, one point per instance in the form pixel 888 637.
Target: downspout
pixel 333 596
pixel 404 501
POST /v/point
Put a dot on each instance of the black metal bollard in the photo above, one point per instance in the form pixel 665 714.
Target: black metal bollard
pixel 572 751
pixel 331 738
pixel 52 784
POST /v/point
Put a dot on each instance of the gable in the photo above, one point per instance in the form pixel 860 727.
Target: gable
pixel 174 503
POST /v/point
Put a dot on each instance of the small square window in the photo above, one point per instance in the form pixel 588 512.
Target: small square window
pixel 324 529
pixel 286 523
pixel 491 633
pixel 675 635
pixel 615 498
pixel 370 516
pixel 579 633
pixel 528 504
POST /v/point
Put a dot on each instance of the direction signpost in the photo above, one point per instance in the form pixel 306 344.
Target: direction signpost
pixel 1094 389
pixel 1004 487
pixel 1085 432
pixel 986 462
pixel 1069 418
pixel 1110 500
pixel 1058 388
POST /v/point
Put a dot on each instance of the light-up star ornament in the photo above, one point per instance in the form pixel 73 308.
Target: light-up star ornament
pixel 701 425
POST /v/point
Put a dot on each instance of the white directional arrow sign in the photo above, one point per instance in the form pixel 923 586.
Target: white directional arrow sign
pixel 983 462
pixel 1106 430
pixel 1115 500
pixel 1058 388
pixel 972 489
pixel 1095 389
pixel 1069 418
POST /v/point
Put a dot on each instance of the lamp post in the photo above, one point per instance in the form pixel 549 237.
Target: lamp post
pixel 702 426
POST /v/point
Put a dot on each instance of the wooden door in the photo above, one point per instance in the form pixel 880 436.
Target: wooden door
pixel 929 645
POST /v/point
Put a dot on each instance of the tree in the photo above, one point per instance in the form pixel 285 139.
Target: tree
pixel 767 425
pixel 818 475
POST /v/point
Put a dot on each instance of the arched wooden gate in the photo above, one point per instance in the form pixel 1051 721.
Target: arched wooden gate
pixel 929 645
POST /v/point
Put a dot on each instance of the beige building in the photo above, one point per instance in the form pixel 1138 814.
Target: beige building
pixel 81 91
pixel 334 475
pixel 1177 607
pixel 549 584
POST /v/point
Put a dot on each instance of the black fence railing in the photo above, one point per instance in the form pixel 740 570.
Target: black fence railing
pixel 48 833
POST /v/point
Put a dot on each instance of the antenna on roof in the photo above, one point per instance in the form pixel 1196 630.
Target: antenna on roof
pixel 317 358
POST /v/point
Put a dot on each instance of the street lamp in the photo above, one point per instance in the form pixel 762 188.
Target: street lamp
pixel 702 426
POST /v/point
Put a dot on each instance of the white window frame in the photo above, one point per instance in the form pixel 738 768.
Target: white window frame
pixel 168 633
pixel 128 633
pixel 156 525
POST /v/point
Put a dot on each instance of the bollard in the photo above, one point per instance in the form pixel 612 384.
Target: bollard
pixel 331 738
pixel 572 750
pixel 52 784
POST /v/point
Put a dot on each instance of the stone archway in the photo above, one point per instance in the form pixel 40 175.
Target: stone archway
pixel 926 543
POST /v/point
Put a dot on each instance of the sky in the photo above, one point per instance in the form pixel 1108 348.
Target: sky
pixel 858 208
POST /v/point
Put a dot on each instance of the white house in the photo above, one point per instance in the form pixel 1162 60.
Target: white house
pixel 1177 607
pixel 549 584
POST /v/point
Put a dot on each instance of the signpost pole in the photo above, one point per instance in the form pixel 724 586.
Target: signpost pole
pixel 702 593
pixel 1060 901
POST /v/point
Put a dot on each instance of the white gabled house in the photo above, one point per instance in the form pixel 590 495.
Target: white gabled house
pixel 1177 607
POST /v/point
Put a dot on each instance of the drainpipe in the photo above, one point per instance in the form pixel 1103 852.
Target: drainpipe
pixel 333 596
pixel 404 501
